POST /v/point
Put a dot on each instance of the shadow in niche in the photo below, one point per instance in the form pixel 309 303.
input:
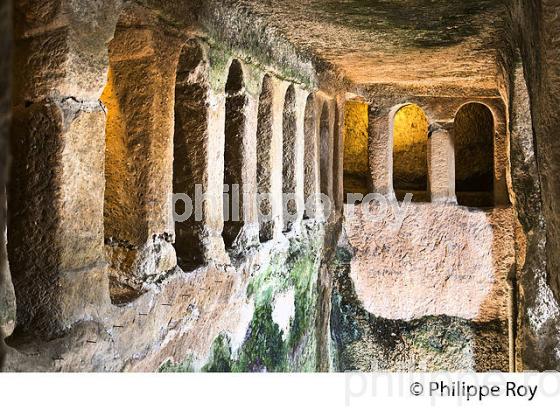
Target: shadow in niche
pixel 473 131
pixel 357 176
pixel 236 101
pixel 189 142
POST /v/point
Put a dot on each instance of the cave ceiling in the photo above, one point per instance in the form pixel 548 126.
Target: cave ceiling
pixel 422 43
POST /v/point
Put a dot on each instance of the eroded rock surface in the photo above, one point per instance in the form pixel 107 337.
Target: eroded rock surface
pixel 114 105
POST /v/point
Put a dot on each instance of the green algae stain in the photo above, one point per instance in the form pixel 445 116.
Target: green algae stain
pixel 266 347
pixel 170 367
pixel 304 278
pixel 220 357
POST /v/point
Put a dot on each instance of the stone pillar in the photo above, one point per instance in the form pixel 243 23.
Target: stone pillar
pixel 441 165
pixel 301 100
pixel 280 89
pixel 139 97
pixel 311 165
pixel 264 159
pixel 190 153
pixel 501 161
pixel 380 150
pixel 338 153
pixel 55 193
pixel 325 136
pixel 249 169
pixel 245 172
pixel 213 205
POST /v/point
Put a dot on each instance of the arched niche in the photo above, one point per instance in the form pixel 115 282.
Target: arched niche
pixel 410 153
pixel 236 101
pixel 356 172
pixel 189 152
pixel 473 135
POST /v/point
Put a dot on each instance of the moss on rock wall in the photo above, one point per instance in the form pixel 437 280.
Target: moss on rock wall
pixel 281 335
pixel 365 342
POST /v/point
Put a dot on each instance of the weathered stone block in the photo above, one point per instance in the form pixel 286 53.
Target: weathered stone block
pixel 442 260
pixel 61 48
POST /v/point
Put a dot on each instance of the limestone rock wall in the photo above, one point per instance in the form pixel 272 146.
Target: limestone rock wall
pixel 65 243
pixel 95 282
pixel 540 30
pixel 401 286
pixel 7 305
pixel 533 65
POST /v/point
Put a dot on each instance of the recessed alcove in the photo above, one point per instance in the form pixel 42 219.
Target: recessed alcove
pixel 236 101
pixel 356 168
pixel 189 150
pixel 410 153
pixel 473 131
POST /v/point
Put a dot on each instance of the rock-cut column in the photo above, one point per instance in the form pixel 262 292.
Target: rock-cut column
pixel 380 150
pixel 441 165
pixel 139 98
pixel 55 191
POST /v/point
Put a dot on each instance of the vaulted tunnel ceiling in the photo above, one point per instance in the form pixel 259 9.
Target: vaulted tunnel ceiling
pixel 405 42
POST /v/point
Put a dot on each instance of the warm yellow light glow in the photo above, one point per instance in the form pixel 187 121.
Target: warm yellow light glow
pixel 356 170
pixel 115 151
pixel 410 149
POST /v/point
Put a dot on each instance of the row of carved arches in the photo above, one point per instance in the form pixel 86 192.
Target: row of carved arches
pixel 471 142
pixel 190 147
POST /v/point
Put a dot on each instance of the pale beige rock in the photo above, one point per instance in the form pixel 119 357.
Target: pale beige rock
pixel 441 166
pixel 444 260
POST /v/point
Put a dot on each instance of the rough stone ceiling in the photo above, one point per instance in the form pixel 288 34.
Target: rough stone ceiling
pixel 404 42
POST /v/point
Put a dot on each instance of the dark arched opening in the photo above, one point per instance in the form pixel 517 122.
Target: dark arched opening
pixel 355 159
pixel 474 155
pixel 189 160
pixel 236 101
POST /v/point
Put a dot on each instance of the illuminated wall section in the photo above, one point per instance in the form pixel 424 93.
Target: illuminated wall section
pixel 410 153
pixel 356 169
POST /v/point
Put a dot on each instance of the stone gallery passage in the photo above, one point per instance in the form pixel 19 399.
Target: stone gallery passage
pixel 175 175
